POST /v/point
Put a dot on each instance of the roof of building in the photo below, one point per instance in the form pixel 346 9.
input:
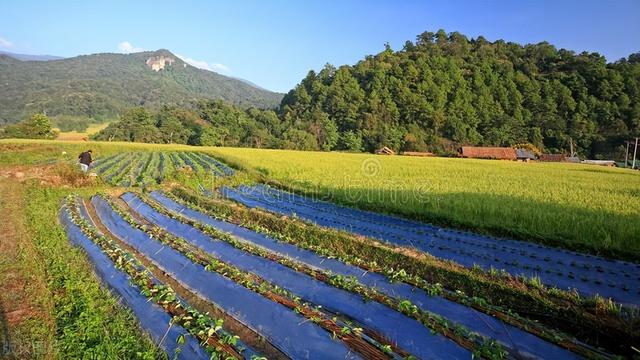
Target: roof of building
pixel 525 154
pixel 385 151
pixel 504 153
pixel 552 157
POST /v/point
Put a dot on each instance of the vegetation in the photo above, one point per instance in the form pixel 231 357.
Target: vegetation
pixel 544 202
pixel 100 86
pixel 523 304
pixel 88 321
pixel 443 91
pixel 38 126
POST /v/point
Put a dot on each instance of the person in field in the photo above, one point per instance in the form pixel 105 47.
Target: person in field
pixel 85 160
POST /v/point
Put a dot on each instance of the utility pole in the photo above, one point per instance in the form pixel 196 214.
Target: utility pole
pixel 635 150
pixel 626 156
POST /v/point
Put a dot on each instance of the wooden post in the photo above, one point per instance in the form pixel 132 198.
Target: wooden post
pixel 635 150
pixel 626 156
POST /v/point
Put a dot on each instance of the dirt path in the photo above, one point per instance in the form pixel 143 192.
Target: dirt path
pixel 26 323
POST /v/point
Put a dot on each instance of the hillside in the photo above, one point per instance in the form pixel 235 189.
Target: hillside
pixel 29 57
pixel 102 85
pixel 446 90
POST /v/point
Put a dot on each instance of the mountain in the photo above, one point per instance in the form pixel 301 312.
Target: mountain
pixel 102 85
pixel 28 57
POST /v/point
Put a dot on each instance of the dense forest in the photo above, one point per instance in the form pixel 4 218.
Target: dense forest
pixel 445 90
pixel 101 86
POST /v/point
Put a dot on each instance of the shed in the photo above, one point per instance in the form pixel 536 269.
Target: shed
pixel 552 157
pixel 501 153
pixel 525 155
pixel 599 162
pixel 385 151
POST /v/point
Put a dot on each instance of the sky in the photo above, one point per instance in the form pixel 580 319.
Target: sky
pixel 275 43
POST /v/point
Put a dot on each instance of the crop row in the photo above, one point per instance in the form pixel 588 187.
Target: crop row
pixel 160 311
pixel 371 314
pixel 147 168
pixel 511 341
pixel 592 320
pixel 588 274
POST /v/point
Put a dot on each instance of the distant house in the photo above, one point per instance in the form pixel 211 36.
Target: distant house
pixel 552 157
pixel 558 158
pixel 599 162
pixel 525 155
pixel 500 153
pixel 385 151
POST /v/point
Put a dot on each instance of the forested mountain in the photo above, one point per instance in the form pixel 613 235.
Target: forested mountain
pixel 446 90
pixel 104 85
pixel 28 57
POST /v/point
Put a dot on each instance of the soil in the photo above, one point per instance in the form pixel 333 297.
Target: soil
pixel 61 175
pixel 26 323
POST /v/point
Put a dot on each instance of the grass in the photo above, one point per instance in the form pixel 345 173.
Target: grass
pixel 580 207
pixel 73 315
pixel 89 322
pixel 25 302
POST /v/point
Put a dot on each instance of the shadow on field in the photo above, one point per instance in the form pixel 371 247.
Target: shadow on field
pixel 587 230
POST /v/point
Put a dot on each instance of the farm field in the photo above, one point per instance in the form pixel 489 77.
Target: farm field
pixel 206 253
pixel 581 207
pixel 77 136
pixel 147 168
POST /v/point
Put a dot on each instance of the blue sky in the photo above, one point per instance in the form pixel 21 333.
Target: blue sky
pixel 275 43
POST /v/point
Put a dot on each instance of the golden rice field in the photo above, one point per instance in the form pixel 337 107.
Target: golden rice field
pixel 578 206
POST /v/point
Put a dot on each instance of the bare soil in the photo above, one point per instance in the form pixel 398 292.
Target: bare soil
pixel 26 321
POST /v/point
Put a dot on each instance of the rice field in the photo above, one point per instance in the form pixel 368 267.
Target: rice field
pixel 580 207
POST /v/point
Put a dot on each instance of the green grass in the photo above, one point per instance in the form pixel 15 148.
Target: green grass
pixel 580 207
pixel 89 323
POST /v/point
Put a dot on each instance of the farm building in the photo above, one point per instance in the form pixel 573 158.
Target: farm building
pixel 385 151
pixel 525 155
pixel 552 157
pixel 500 153
pixel 559 158
pixel 599 162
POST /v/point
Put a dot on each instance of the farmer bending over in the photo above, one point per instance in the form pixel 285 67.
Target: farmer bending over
pixel 85 160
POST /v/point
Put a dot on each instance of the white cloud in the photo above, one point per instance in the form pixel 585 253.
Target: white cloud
pixel 127 48
pixel 5 43
pixel 201 64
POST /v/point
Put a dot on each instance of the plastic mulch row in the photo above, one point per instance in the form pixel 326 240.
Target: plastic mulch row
pixel 288 331
pixel 522 342
pixel 407 333
pixel 555 267
pixel 152 318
